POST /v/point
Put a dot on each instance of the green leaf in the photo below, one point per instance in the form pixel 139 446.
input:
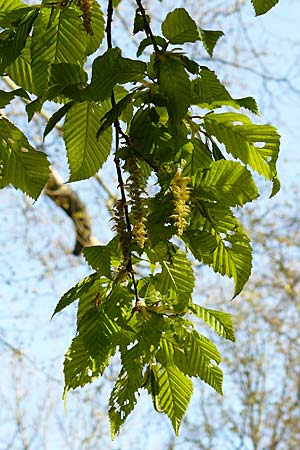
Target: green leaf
pixel 256 145
pixel 262 6
pixel 174 393
pixel 85 153
pixel 114 113
pixel 57 116
pixel 58 40
pixel 99 258
pixel 227 182
pixel 160 41
pixel 174 83
pixel 232 256
pixel 75 292
pixel 209 39
pixel 201 358
pixel 11 11
pixel 7 97
pixel 21 165
pixel 178 27
pixel 123 397
pixel 199 241
pixel 176 280
pixel 210 93
pixel 15 42
pixel 94 39
pixel 199 157
pixel 219 321
pixel 20 70
pixel 111 69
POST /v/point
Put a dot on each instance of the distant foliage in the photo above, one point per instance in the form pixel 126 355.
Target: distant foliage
pixel 162 116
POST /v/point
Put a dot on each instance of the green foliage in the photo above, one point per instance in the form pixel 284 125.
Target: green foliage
pixel 262 6
pixel 165 112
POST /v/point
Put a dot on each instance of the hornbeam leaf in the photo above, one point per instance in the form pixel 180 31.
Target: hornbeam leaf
pixel 21 165
pixel 20 70
pixel 57 116
pixel 176 280
pixel 123 397
pixel 174 83
pixel 219 321
pixel 227 182
pixel 262 6
pixel 232 256
pixel 85 153
pixel 256 145
pixel 61 40
pixel 7 97
pixel 148 41
pixel 110 69
pixel 174 393
pixel 75 292
pixel 97 24
pixel 178 27
pixel 209 39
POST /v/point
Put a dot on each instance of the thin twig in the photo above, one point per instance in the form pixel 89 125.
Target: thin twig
pixel 147 26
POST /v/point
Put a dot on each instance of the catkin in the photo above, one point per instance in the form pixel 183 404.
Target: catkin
pixel 181 196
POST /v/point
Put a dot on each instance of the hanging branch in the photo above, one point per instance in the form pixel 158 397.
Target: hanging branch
pixel 118 131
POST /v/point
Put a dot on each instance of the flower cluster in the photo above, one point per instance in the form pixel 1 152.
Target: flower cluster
pixel 181 196
pixel 121 230
pixel 136 184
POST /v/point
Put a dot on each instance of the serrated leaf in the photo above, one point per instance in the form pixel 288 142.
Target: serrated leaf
pixel 58 40
pixel 110 69
pixel 7 97
pixel 11 48
pixel 148 41
pixel 262 6
pixel 256 145
pixel 20 70
pixel 174 83
pixel 114 113
pixel 178 27
pixel 199 241
pixel 97 25
pixel 232 256
pixel 210 93
pixel 176 280
pixel 209 39
pixel 199 157
pixel 227 182
pixel 85 153
pixel 21 165
pixel 174 393
pixel 56 117
pixel 99 258
pixel 75 292
pixel 123 397
pixel 219 321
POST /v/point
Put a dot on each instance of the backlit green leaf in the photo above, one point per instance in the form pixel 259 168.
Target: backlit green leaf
pixel 21 165
pixel 85 153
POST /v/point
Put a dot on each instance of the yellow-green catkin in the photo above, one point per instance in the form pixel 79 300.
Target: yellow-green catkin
pixel 136 185
pixel 121 230
pixel 181 196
